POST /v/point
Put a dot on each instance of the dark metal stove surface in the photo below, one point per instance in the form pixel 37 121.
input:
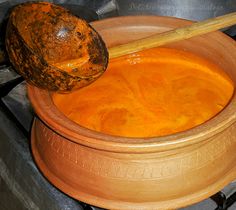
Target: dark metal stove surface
pixel 22 186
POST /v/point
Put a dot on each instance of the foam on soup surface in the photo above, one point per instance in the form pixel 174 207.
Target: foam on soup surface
pixel 156 92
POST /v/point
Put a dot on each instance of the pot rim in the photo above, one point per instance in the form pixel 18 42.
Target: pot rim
pixel 62 125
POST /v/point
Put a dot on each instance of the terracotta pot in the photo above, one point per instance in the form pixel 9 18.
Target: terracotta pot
pixel 151 173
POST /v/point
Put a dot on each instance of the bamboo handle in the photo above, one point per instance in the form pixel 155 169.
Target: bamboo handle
pixel 196 29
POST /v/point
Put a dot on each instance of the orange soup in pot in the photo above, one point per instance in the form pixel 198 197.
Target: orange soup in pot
pixel 155 92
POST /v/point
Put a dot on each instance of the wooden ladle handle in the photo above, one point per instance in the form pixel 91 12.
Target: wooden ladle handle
pixel 195 29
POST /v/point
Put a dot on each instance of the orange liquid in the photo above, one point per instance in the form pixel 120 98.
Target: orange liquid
pixel 153 93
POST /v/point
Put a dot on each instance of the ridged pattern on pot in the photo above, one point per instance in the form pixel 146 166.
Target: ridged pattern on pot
pixel 100 164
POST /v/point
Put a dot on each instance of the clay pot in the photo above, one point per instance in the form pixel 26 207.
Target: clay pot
pixel 135 173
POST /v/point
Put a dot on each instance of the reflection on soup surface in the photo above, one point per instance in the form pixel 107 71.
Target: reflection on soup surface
pixel 156 92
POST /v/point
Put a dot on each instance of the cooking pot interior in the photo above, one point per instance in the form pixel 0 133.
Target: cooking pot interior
pixel 216 47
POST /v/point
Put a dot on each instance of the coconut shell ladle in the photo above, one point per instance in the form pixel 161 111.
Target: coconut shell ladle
pixel 57 51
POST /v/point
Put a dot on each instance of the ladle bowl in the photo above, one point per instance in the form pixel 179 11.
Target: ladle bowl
pixel 53 49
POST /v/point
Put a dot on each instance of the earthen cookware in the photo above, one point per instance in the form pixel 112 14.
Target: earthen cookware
pixel 139 173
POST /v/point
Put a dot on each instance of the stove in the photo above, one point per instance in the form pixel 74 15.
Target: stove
pixel 22 186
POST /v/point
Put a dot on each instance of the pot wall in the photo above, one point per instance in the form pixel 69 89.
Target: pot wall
pixel 113 180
